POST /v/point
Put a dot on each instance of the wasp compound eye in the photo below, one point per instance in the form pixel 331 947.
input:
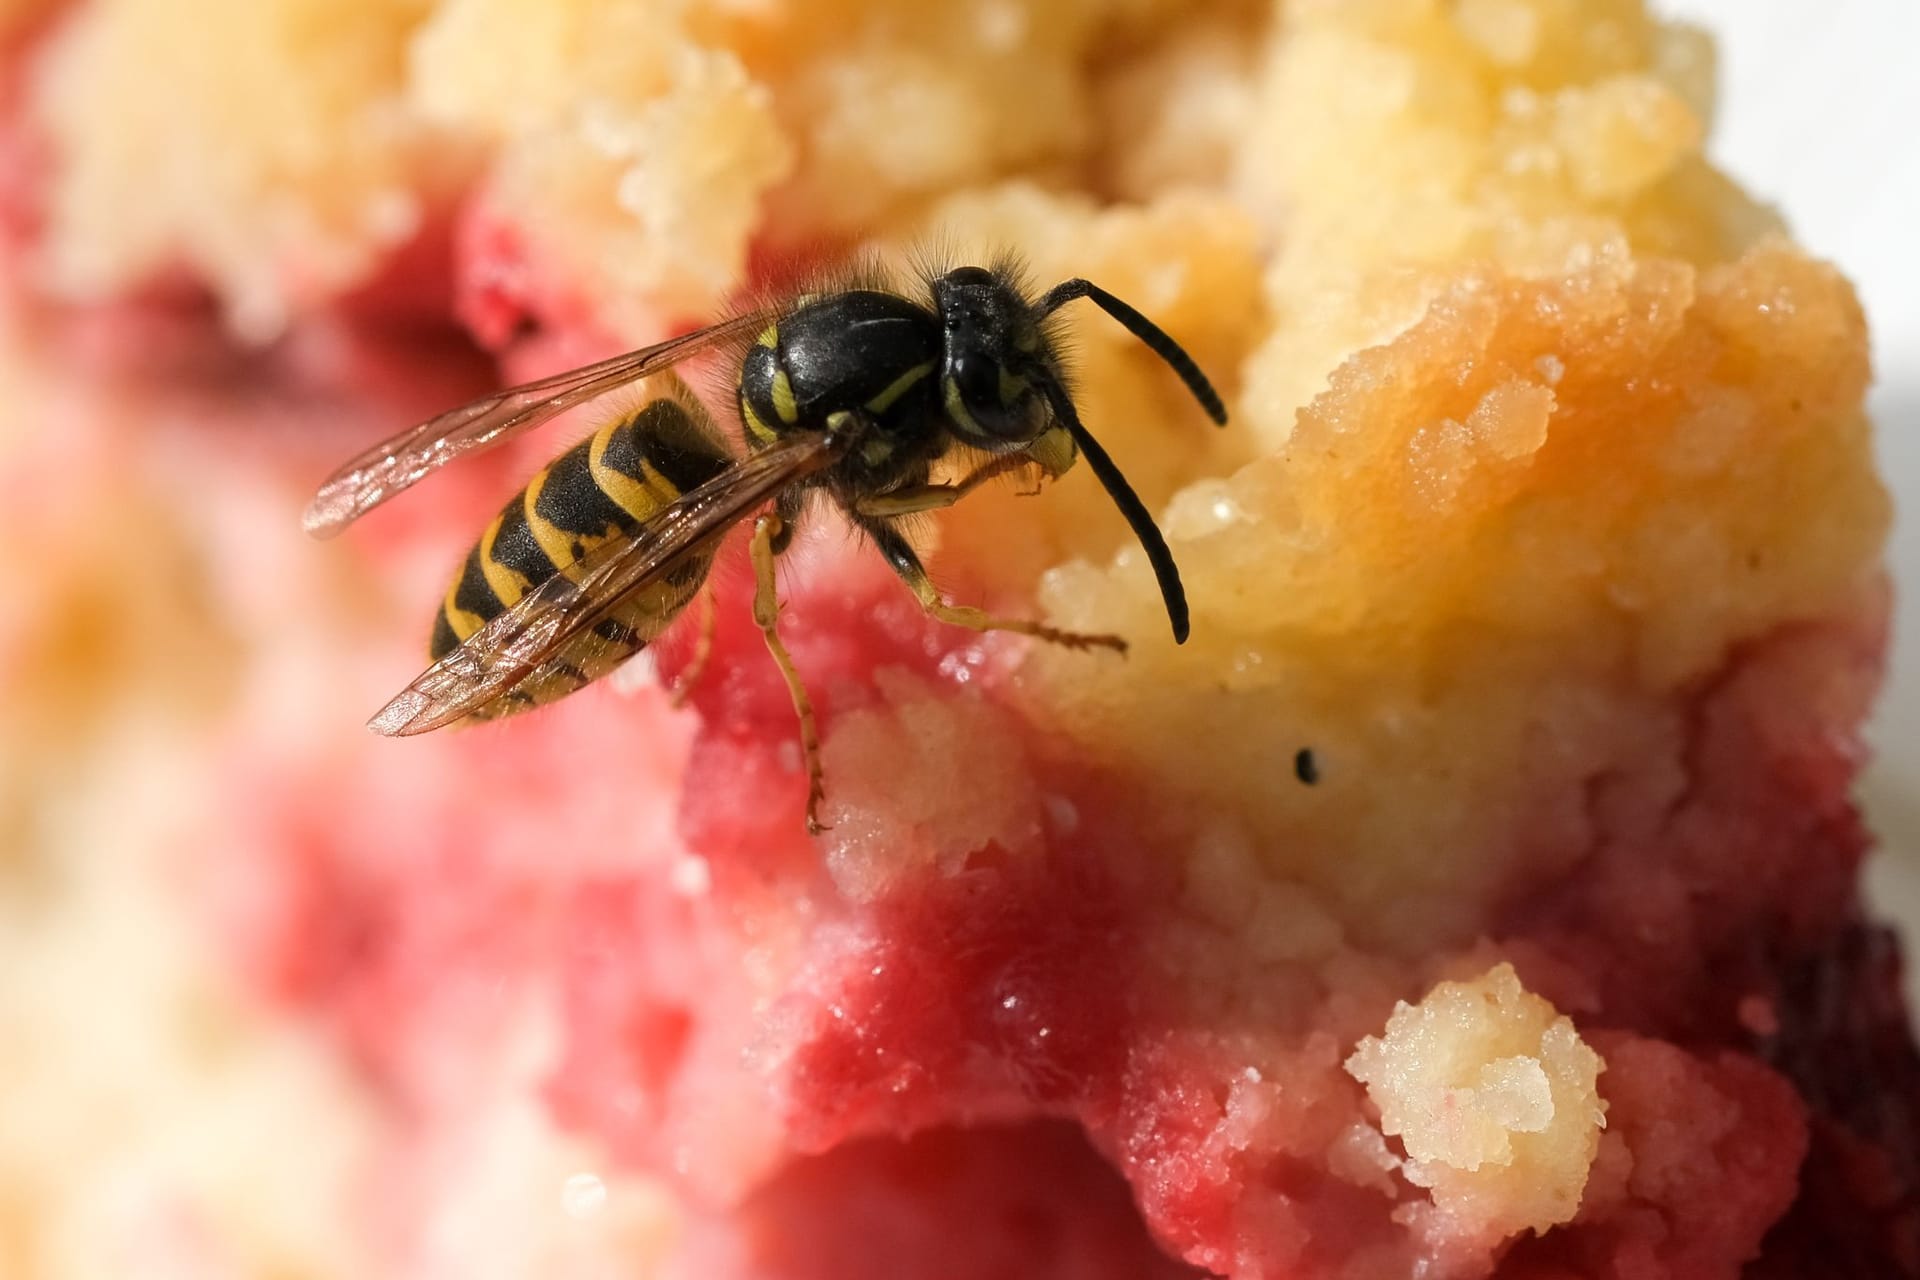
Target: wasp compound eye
pixel 984 400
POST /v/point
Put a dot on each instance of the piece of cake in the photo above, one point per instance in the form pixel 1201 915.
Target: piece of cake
pixel 1475 894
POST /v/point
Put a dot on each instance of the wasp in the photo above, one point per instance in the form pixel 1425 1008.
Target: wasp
pixel 857 396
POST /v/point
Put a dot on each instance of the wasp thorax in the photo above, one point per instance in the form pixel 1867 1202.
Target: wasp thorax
pixel 990 341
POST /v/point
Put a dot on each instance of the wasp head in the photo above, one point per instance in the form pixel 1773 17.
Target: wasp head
pixel 994 359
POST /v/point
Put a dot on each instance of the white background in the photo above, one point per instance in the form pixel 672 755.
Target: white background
pixel 1820 115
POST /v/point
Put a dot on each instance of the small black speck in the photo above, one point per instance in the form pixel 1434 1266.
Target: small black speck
pixel 1305 767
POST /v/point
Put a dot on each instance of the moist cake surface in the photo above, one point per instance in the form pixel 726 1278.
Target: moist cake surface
pixel 1475 894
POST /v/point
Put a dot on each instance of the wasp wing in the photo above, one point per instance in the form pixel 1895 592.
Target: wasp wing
pixel 398 464
pixel 516 643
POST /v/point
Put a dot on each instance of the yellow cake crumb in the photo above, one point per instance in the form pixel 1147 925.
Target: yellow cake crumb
pixel 1492 1095
pixel 634 164
pixel 1534 456
pixel 926 777
pixel 275 163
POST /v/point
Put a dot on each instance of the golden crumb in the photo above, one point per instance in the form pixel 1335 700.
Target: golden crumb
pixel 1493 1097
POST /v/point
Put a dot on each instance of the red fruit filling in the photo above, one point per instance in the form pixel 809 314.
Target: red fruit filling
pixel 732 1018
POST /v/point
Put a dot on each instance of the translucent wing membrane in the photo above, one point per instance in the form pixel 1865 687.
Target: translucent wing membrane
pixel 400 463
pixel 518 642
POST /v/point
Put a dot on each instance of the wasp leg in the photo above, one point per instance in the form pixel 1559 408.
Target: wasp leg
pixel 786 513
pixel 933 497
pixel 767 530
pixel 702 652
pixel 906 562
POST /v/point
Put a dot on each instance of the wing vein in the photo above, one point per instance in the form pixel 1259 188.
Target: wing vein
pixel 396 465
pixel 497 658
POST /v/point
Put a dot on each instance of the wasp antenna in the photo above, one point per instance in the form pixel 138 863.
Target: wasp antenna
pixel 1157 339
pixel 1165 571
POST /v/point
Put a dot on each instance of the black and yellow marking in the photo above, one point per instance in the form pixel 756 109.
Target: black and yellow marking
pixel 757 426
pixel 470 601
pixel 896 389
pixel 785 406
pixel 755 393
pixel 1055 451
pixel 1012 387
pixel 605 487
pixel 956 407
pixel 802 369
pixel 891 393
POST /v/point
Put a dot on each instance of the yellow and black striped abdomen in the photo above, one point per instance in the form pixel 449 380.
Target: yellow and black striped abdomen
pixel 605 487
